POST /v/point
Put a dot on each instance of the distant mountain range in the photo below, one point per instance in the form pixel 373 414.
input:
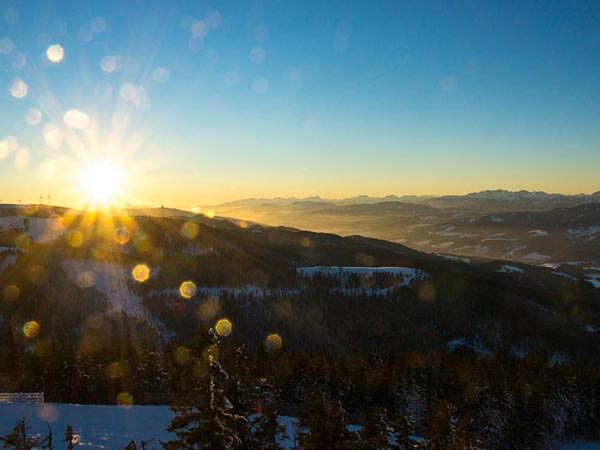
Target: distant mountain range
pixel 523 226
pixel 499 198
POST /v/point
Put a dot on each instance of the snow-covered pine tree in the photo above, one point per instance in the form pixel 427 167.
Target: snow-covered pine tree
pixel 204 416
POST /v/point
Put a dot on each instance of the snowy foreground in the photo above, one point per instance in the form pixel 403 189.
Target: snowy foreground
pixel 113 427
pixel 99 426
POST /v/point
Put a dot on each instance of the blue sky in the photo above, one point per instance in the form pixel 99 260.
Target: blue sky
pixel 230 99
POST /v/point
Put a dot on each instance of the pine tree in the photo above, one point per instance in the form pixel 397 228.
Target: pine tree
pixel 375 434
pixel 440 427
pixel 402 431
pixel 18 439
pixel 204 416
pixel 48 443
pixel 323 427
pixel 463 436
pixel 70 438
pixel 267 432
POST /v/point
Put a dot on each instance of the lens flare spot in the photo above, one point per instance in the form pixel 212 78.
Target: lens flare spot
pixel 305 242
pixel 273 342
pixel 3 150
pixel 182 355
pixel 121 236
pixel 76 119
pixel 258 55
pixel 98 25
pixel 37 274
pixel 143 242
pixel 33 116
pixel 55 53
pixel 190 230
pixel 31 329
pixel 223 327
pixel 161 74
pixel 75 238
pixel 12 293
pixel 22 159
pixel 213 19
pixel 116 370
pixel 426 292
pixel 200 29
pixel 187 289
pixel 110 63
pixel 209 309
pixel 141 273
pixel 53 136
pixel 364 259
pixel 18 88
pixel 125 400
pixel 48 413
pixel 6 45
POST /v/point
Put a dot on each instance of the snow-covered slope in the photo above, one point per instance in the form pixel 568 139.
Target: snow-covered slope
pixel 41 230
pixel 101 426
pixel 111 280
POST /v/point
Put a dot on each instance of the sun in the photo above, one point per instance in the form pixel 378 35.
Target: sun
pixel 102 183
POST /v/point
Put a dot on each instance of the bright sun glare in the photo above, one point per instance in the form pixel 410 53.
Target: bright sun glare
pixel 102 183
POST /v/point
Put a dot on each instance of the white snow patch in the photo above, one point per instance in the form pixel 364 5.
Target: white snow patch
pixel 497 219
pixel 591 445
pixel 538 233
pixel 535 256
pixel 8 261
pixel 476 345
pixel 443 245
pixel 565 275
pixel 500 239
pixel 41 230
pixel 583 232
pixel 594 279
pixel 109 279
pixel 456 258
pixel 111 427
pixel 510 269
pixel 558 358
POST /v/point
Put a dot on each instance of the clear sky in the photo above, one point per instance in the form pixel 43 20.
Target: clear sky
pixel 197 102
